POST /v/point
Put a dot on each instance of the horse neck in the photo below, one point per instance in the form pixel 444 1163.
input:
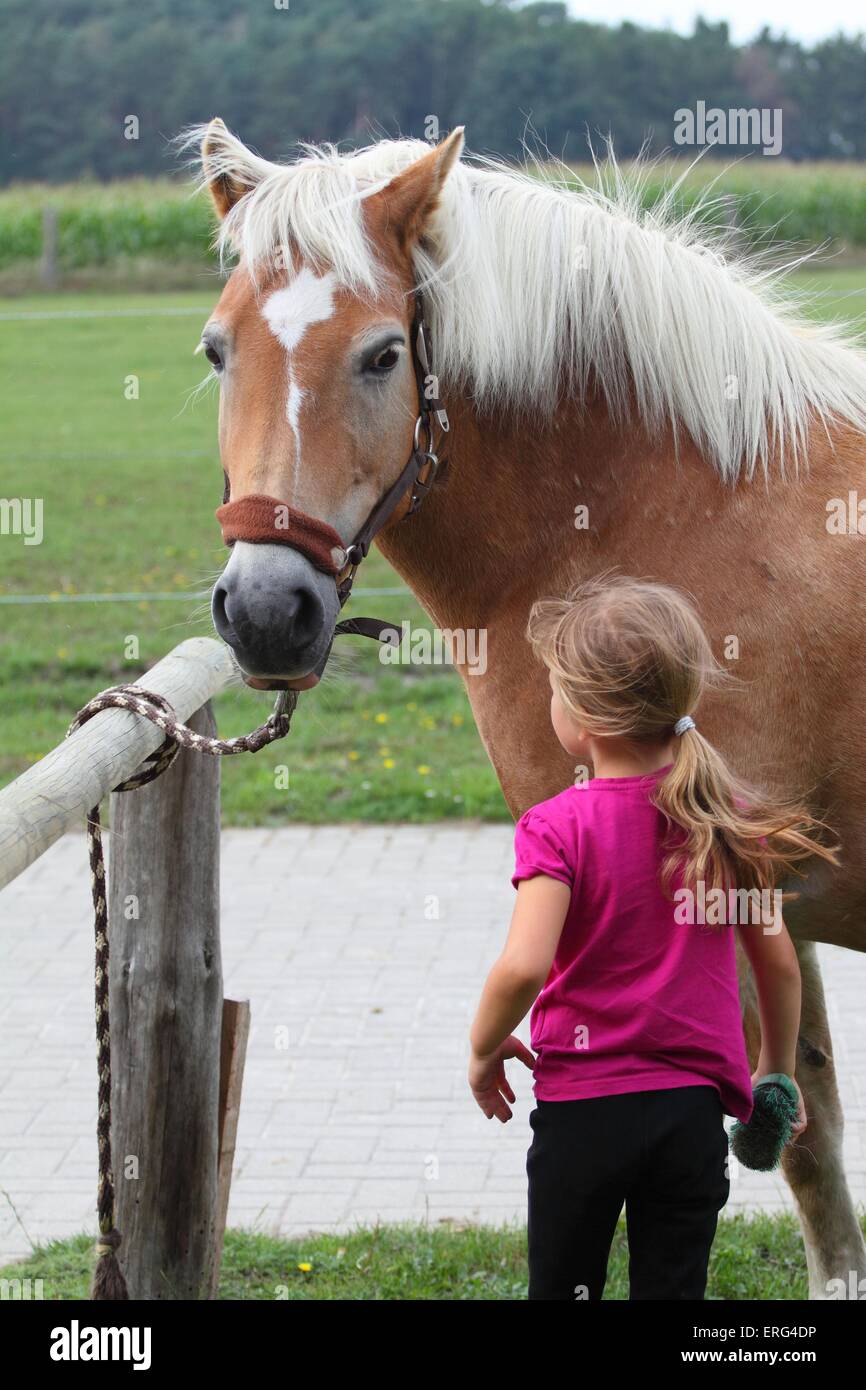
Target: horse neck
pixel 503 520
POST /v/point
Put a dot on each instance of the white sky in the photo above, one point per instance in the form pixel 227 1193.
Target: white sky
pixel 806 20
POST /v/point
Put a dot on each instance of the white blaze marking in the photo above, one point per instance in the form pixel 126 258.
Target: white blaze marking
pixel 289 313
pixel 293 407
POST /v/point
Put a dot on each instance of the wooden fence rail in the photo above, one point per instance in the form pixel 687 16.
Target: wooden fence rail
pixel 177 1046
pixel 55 794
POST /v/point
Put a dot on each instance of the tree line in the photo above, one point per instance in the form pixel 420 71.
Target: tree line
pixel 98 87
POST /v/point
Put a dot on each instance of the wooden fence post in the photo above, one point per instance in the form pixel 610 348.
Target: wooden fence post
pixel 50 238
pixel 166 1009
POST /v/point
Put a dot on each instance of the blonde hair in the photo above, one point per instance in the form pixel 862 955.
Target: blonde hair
pixel 628 659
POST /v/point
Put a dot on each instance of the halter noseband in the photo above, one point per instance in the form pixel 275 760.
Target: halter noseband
pixel 268 521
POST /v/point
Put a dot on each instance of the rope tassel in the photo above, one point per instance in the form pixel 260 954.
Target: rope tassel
pixel 109 1283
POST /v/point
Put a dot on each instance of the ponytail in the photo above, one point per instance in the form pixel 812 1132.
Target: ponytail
pixel 735 835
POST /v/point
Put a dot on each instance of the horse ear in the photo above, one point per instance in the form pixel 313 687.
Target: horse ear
pixel 230 169
pixel 413 194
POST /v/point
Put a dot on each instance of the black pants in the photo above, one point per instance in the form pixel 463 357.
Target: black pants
pixel 663 1153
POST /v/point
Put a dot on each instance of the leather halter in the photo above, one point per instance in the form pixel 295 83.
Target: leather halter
pixel 268 521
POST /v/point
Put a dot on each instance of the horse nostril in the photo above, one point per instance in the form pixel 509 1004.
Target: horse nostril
pixel 218 607
pixel 307 616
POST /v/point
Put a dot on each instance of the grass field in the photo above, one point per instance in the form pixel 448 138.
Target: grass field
pixel 129 489
pixel 758 1258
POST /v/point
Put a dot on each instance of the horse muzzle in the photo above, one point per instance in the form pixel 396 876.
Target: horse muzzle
pixel 277 612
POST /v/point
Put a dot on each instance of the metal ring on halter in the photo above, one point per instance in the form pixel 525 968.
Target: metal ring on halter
pixel 422 421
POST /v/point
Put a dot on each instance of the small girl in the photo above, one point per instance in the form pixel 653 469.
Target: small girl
pixel 638 1025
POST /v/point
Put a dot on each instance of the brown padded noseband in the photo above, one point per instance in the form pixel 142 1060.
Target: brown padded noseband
pixel 267 521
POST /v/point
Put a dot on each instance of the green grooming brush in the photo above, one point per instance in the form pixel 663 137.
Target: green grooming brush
pixel 759 1144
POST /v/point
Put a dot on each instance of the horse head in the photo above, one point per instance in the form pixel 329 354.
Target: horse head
pixel 319 390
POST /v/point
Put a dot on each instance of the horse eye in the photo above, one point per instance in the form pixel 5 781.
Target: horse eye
pixel 384 361
pixel 213 357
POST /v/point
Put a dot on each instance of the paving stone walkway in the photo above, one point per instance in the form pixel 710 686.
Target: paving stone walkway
pixel 363 950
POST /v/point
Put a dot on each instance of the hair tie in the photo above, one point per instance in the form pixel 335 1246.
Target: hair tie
pixel 685 723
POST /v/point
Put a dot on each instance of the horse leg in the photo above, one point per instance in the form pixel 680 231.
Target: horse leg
pixel 813 1163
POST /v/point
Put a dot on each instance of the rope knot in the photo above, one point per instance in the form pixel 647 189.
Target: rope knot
pixel 108 1242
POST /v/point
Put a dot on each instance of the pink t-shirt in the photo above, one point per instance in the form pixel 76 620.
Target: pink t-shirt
pixel 634 1001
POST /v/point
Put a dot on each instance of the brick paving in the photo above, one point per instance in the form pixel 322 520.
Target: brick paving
pixel 362 950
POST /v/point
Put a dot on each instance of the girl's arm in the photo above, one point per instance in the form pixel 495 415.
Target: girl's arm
pixel 776 970
pixel 520 972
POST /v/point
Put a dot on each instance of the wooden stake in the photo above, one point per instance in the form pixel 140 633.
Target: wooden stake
pixel 233 1052
pixel 166 1005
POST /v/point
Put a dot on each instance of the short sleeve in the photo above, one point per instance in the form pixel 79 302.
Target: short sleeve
pixel 539 850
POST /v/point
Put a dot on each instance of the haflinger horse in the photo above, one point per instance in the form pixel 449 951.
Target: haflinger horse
pixel 622 392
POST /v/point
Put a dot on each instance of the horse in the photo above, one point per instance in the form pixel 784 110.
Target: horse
pixel 623 391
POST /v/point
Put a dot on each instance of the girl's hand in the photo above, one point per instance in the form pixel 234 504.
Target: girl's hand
pixel 801 1121
pixel 488 1081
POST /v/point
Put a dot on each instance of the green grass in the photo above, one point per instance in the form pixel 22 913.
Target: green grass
pixel 753 1258
pixel 129 489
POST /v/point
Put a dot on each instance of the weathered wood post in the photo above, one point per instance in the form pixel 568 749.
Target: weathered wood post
pixel 166 1012
pixel 50 239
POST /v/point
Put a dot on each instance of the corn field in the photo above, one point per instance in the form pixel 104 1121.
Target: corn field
pixel 101 224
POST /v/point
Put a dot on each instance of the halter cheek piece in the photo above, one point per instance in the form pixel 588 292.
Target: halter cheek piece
pixel 268 521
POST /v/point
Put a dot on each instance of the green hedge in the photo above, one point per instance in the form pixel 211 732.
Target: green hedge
pixel 102 223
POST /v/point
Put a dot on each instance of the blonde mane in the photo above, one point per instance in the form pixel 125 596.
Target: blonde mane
pixel 534 289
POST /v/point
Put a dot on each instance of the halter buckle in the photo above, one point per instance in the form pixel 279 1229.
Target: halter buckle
pixel 422 486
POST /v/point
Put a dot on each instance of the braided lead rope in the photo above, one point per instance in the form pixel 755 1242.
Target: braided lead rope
pixel 108 1280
